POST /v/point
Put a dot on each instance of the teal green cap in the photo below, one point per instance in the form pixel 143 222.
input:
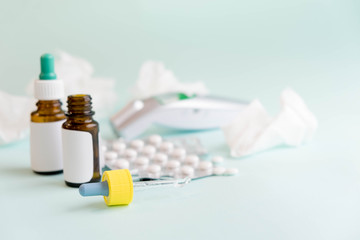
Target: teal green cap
pixel 47 67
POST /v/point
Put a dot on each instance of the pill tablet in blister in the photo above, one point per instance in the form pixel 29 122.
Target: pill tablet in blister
pixel 134 171
pixel 218 170
pixel 110 162
pixel 141 161
pixel 121 164
pixel 160 159
pixel 103 148
pixel 110 155
pixel 205 168
pixel 119 147
pixel 166 147
pixel 154 169
pixel 192 160
pixel 231 171
pixel 172 165
pixel 130 154
pixel 137 144
pixel 204 165
pixel 149 151
pixel 155 140
pixel 187 171
pixel 217 160
pixel 178 153
pixel 204 172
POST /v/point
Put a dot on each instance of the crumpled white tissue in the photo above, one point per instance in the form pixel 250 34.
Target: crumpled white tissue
pixel 77 74
pixel 155 79
pixel 14 117
pixel 254 130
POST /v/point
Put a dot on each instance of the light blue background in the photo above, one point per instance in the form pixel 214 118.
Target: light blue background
pixel 241 49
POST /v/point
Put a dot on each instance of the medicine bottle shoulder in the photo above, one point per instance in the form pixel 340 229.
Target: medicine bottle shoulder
pixel 80 125
pixel 48 111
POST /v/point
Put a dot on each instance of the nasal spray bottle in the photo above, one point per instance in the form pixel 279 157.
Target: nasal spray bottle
pixel 80 138
pixel 46 121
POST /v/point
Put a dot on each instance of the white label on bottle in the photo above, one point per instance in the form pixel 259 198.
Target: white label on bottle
pixel 78 156
pixel 45 146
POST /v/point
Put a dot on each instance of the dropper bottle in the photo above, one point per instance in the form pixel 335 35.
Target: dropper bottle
pixel 117 186
pixel 46 121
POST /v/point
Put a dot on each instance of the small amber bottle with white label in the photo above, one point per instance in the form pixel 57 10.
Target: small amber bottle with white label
pixel 80 142
pixel 46 121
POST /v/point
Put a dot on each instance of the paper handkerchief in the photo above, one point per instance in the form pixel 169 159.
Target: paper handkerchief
pixel 155 79
pixel 14 117
pixel 254 130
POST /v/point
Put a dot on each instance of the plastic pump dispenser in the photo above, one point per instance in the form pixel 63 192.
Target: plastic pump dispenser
pixel 117 186
pixel 46 121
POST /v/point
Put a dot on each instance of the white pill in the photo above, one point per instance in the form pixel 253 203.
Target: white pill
pixel 204 165
pixel 142 161
pixel 217 160
pixel 219 170
pixel 134 171
pixel 137 144
pixel 231 171
pixel 110 162
pixel 119 147
pixel 178 153
pixel 172 165
pixel 102 162
pixel 204 172
pixel 121 163
pixel 166 147
pixel 130 154
pixel 187 171
pixel 149 151
pixel 155 140
pixel 154 169
pixel 192 160
pixel 110 155
pixel 120 139
pixel 103 148
pixel 160 159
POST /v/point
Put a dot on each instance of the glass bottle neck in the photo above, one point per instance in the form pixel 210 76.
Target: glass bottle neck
pixel 49 106
pixel 79 108
pixel 79 119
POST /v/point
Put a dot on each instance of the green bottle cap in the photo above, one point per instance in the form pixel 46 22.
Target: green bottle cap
pixel 47 67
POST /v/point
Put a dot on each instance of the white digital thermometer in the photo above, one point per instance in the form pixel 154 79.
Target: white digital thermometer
pixel 175 110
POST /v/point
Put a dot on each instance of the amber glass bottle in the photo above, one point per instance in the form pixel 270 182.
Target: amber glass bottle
pixel 48 111
pixel 46 121
pixel 80 138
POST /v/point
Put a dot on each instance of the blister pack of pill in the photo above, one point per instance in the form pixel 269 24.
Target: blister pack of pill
pixel 156 158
